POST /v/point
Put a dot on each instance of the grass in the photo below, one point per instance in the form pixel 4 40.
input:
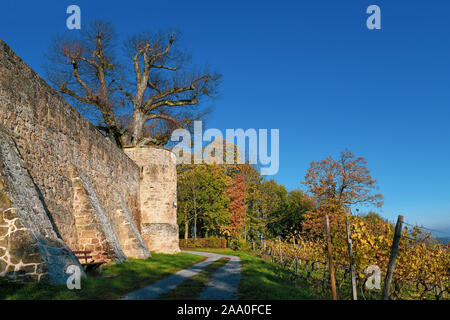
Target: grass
pixel 191 288
pixel 262 280
pixel 114 282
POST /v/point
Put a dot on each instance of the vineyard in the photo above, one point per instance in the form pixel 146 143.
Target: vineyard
pixel 422 266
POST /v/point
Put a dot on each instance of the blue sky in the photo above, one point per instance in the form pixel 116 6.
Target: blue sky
pixel 311 69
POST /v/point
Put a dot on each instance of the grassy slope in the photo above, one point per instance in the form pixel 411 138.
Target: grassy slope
pixel 263 280
pixel 191 288
pixel 115 281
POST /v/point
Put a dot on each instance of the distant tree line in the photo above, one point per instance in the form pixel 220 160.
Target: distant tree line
pixel 235 201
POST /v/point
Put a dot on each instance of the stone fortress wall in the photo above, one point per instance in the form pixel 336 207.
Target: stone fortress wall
pixel 87 193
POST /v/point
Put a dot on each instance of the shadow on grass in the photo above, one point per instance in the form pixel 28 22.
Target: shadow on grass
pixel 191 288
pixel 114 282
pixel 262 280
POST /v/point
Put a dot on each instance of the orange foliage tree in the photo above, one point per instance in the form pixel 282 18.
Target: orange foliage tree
pixel 238 207
pixel 337 185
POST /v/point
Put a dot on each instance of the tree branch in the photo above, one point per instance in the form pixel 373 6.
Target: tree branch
pixel 79 80
pixel 153 103
pixel 65 90
pixel 166 51
pixel 127 94
pixel 164 67
pixel 174 103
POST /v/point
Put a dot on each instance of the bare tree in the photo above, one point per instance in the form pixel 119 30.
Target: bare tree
pixel 137 98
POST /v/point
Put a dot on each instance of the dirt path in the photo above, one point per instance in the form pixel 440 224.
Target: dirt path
pixel 225 282
pixel 223 285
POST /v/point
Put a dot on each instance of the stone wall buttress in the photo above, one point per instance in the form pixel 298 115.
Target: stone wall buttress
pixel 30 248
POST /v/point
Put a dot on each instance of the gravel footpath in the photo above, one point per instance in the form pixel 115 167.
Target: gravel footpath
pixel 223 285
pixel 225 282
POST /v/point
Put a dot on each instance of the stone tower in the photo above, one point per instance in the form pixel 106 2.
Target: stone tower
pixel 158 198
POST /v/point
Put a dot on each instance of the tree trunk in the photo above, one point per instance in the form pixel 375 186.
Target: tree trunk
pixel 195 225
pixel 112 126
pixel 186 228
pixel 137 127
pixel 104 104
pixel 195 216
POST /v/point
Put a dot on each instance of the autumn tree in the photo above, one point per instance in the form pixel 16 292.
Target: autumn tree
pixel 338 185
pixel 238 207
pixel 253 182
pixel 373 217
pixel 138 97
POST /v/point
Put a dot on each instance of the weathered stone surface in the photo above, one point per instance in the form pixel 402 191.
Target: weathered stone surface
pixel 161 237
pixel 94 232
pixel 30 249
pixel 158 197
pixel 132 242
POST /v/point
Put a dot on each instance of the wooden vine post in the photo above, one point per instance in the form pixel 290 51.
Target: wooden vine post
pixel 330 257
pixel 352 265
pixel 296 259
pixel 392 258
pixel 281 254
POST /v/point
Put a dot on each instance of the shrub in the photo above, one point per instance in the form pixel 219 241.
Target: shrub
pixel 212 242
pixel 239 245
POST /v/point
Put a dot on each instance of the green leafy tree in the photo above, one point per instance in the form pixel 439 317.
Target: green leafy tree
pixel 297 206
pixel 202 198
pixel 273 204
pixel 253 182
